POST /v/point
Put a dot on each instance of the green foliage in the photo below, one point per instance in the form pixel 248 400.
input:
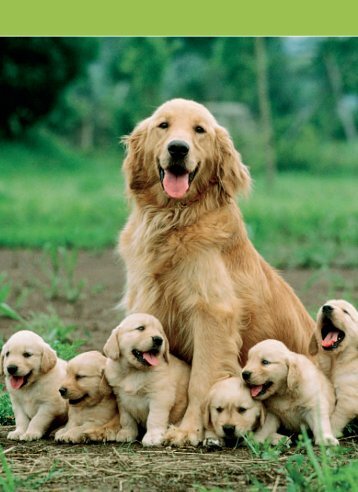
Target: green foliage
pixel 7 481
pixel 5 310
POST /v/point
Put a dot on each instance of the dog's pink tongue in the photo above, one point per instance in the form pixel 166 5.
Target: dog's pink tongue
pixel 150 358
pixel 16 381
pixel 330 339
pixel 255 390
pixel 175 186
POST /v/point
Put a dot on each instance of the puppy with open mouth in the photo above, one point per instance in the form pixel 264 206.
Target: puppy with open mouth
pixel 33 376
pixel 335 342
pixel 150 384
pixel 93 413
pixel 292 387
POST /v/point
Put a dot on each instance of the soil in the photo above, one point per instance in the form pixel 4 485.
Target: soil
pixel 92 309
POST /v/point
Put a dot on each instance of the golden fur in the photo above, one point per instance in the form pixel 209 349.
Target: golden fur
pixel 154 393
pixel 93 413
pixel 189 260
pixel 293 388
pixel 340 361
pixel 33 375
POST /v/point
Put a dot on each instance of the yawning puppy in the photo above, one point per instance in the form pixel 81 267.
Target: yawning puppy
pixel 150 383
pixel 293 388
pixel 93 413
pixel 230 411
pixel 33 376
pixel 335 342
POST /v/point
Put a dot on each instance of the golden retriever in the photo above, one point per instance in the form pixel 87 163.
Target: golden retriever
pixel 150 384
pixel 93 413
pixel 293 388
pixel 33 375
pixel 188 257
pixel 335 342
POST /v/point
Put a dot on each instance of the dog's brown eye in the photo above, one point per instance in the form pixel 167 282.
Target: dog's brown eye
pixel 27 354
pixel 346 312
pixel 7 354
pixel 199 129
pixel 163 125
pixel 78 376
pixel 265 362
pixel 219 409
pixel 241 410
pixel 140 328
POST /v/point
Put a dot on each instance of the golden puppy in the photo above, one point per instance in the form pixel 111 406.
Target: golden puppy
pixel 188 257
pixel 335 342
pixel 33 376
pixel 293 388
pixel 93 412
pixel 230 411
pixel 150 384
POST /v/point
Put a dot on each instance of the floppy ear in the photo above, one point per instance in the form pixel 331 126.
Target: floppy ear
pixel 292 375
pixel 262 415
pixel 111 348
pixel 48 359
pixel 313 346
pixel 2 372
pixel 206 414
pixel 104 387
pixel 233 175
pixel 133 164
pixel 166 350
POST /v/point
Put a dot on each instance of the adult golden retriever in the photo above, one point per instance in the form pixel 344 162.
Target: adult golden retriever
pixel 93 413
pixel 335 342
pixel 150 384
pixel 189 260
pixel 292 387
pixel 33 376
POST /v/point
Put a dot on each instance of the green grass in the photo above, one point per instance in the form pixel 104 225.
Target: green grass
pixel 50 194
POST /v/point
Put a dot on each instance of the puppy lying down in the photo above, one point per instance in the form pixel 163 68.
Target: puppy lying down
pixel 293 389
pixel 93 413
pixel 150 384
pixel 33 376
pixel 335 342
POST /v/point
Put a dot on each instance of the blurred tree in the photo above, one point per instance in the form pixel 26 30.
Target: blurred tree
pixel 33 73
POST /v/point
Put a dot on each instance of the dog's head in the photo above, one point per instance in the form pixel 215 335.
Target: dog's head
pixel 24 357
pixel 231 411
pixel 179 153
pixel 336 329
pixel 140 341
pixel 85 384
pixel 270 369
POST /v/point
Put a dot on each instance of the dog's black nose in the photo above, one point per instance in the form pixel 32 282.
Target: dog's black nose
pixel 246 375
pixel 63 391
pixel 178 149
pixel 327 309
pixel 12 369
pixel 157 341
pixel 229 430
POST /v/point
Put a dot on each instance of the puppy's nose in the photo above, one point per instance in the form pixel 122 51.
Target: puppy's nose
pixel 63 391
pixel 12 369
pixel 246 375
pixel 157 341
pixel 178 149
pixel 327 309
pixel 229 430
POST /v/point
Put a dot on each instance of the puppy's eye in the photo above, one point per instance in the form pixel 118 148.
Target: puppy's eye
pixel 140 328
pixel 346 312
pixel 265 362
pixel 26 355
pixel 241 409
pixel 219 409
pixel 163 125
pixel 199 129
pixel 78 376
pixel 7 354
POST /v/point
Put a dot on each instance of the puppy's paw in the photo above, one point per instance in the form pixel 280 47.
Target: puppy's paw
pixel 31 436
pixel 328 440
pixel 176 436
pixel 277 438
pixel 153 438
pixel 214 442
pixel 15 435
pixel 125 435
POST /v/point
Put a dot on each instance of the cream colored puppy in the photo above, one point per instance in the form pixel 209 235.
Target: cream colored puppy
pixel 150 384
pixel 230 411
pixel 335 342
pixel 33 376
pixel 293 388
pixel 93 413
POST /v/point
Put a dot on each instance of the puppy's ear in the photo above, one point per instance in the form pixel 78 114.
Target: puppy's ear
pixel 111 348
pixel 166 350
pixel 233 175
pixel 262 415
pixel 133 164
pixel 313 346
pixel 2 372
pixel 48 359
pixel 205 410
pixel 104 387
pixel 292 375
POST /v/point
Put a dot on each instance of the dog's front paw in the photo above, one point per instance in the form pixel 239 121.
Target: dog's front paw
pixel 15 435
pixel 277 438
pixel 125 435
pixel 214 442
pixel 328 440
pixel 31 436
pixel 153 438
pixel 176 436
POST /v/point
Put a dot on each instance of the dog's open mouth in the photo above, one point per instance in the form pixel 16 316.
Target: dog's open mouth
pixel 331 335
pixel 78 400
pixel 176 180
pixel 18 382
pixel 259 389
pixel 147 358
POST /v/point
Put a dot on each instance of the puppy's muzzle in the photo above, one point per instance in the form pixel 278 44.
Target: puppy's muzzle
pixel 178 149
pixel 12 369
pixel 229 430
pixel 327 310
pixel 157 342
pixel 246 375
pixel 63 391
